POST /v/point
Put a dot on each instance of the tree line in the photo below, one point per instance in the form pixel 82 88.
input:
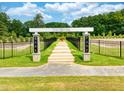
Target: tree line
pixel 104 24
pixel 15 29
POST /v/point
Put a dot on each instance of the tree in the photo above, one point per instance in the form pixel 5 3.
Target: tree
pixel 13 34
pixel 4 24
pixel 56 24
pixel 103 34
pixel 112 21
pixel 4 18
pixel 29 24
pixel 3 29
pixel 38 21
pixel 17 27
pixel 109 33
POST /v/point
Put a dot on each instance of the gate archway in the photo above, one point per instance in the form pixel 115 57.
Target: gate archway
pixel 36 41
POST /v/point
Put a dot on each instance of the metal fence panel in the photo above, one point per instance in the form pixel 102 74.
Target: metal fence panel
pixel 108 47
pixel 12 49
pixel 74 41
pixel 48 42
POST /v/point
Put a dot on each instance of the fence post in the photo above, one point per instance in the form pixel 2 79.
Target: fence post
pixel 99 46
pixel 120 49
pixel 12 48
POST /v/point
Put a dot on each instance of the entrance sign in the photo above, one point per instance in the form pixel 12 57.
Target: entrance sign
pixel 86 43
pixel 86 47
pixel 36 47
pixel 35 44
pixel 36 40
pixel 80 29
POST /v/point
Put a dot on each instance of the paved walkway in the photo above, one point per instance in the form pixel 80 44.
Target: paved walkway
pixel 61 53
pixel 56 69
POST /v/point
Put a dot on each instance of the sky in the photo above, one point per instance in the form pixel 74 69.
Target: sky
pixel 57 11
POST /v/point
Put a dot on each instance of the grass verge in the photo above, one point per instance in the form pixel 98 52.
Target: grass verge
pixel 74 83
pixel 96 59
pixel 26 60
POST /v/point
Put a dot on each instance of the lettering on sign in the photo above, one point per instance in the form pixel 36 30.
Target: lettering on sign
pixel 87 44
pixel 35 44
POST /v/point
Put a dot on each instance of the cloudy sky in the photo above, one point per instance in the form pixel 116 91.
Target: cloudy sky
pixel 57 12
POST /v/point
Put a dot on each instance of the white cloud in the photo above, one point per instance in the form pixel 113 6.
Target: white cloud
pixel 69 11
pixel 64 7
pixel 77 10
pixel 28 9
pixel 105 8
pixel 46 17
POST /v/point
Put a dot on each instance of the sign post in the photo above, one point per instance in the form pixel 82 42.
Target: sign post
pixel 86 46
pixel 36 47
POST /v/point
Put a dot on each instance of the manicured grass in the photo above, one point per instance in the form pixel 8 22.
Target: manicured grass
pixel 96 59
pixel 26 60
pixel 74 83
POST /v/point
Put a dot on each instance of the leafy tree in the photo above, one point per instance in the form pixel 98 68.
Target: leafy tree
pixel 13 34
pixel 106 22
pixel 56 24
pixel 4 25
pixel 4 18
pixel 38 21
pixel 109 33
pixel 29 24
pixel 103 34
pixel 17 26
pixel 3 29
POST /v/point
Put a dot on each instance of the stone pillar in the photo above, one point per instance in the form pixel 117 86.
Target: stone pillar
pixel 86 46
pixel 36 47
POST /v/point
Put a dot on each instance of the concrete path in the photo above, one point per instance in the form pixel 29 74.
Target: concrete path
pixel 57 69
pixel 61 54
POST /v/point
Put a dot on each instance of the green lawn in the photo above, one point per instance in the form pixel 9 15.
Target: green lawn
pixel 26 60
pixel 74 83
pixel 96 59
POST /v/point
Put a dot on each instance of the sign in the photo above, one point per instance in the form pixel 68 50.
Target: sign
pixel 87 44
pixel 35 44
pixel 79 29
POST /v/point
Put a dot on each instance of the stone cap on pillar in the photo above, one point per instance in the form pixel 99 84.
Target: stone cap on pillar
pixel 35 34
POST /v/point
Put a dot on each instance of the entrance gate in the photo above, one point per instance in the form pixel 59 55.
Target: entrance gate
pixel 36 40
